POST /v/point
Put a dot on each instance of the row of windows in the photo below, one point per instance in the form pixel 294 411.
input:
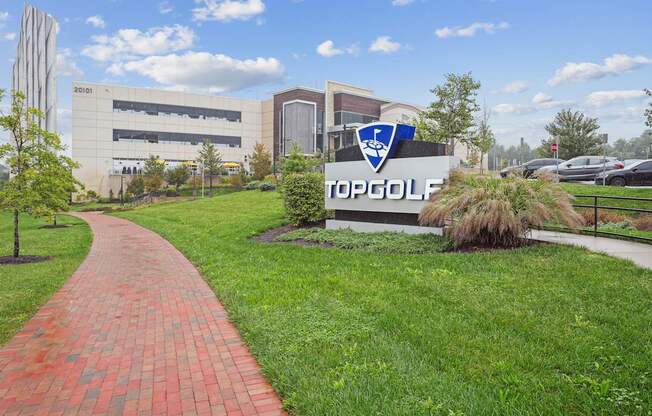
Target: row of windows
pixel 176 111
pixel 176 138
pixel 345 117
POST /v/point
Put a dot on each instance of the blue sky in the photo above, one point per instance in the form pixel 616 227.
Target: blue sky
pixel 533 58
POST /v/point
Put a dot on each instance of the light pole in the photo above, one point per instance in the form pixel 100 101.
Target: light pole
pixel 605 139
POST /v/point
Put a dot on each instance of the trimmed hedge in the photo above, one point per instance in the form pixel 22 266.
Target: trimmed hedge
pixel 303 196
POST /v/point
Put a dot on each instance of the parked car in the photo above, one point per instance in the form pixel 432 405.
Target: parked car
pixel 528 168
pixel 637 174
pixel 516 169
pixel 584 168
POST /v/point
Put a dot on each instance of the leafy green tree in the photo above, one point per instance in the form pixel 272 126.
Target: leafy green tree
pixel 211 160
pixel 576 134
pixel 648 111
pixel 483 138
pixel 260 162
pixel 424 130
pixel 55 183
pixel 295 162
pixel 450 116
pixel 154 171
pixel 177 176
pixel 136 186
pixel 41 178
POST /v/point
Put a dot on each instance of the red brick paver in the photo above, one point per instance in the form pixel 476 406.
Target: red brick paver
pixel 135 331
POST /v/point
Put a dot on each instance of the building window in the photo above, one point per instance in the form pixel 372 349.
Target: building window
pixel 152 109
pixel 347 117
pixel 176 138
pixel 299 126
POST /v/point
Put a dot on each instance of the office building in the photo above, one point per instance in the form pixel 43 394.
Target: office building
pixel 116 128
pixel 34 69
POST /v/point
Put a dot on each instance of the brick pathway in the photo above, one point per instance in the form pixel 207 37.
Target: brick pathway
pixel 135 330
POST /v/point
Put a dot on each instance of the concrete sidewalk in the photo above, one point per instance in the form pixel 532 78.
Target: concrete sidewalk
pixel 639 253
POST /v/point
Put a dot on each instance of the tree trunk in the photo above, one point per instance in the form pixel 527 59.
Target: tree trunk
pixel 54 221
pixel 16 235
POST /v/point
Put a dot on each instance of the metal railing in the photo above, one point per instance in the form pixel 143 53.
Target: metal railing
pixel 596 207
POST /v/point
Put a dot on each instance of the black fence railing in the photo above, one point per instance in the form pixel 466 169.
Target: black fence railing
pixel 594 203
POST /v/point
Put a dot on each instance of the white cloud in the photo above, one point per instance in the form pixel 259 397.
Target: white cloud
pixel 604 98
pixel 9 36
pixel 203 71
pixel 401 2
pixel 165 7
pixel 4 16
pixel 584 71
pixel 228 10
pixel 384 44
pixel 540 98
pixel 96 21
pixel 133 43
pixel 471 30
pixel 327 48
pixel 515 87
pixel 66 66
pixel 539 102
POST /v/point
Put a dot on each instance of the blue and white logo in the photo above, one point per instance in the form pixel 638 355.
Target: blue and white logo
pixel 378 141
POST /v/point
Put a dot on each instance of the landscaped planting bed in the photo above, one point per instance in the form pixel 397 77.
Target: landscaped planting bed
pixel 349 331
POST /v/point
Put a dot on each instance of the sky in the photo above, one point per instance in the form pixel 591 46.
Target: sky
pixel 532 57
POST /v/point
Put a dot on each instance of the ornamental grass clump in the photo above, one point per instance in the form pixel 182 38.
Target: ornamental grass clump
pixel 491 212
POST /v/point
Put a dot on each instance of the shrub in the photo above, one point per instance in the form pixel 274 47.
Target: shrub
pixel 303 196
pixel 643 223
pixel 252 185
pixel 153 183
pixel 271 179
pixel 171 193
pixel 235 181
pixel 265 187
pixel 90 194
pixel 136 186
pixel 604 217
pixel 492 212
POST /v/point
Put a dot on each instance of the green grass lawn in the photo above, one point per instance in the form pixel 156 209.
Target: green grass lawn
pixel 581 189
pixel 25 287
pixel 540 330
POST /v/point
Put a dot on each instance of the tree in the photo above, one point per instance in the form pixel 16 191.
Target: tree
pixel 211 160
pixel 295 162
pixel 260 162
pixel 483 138
pixel 424 130
pixel 154 171
pixel 575 133
pixel 177 176
pixel 648 111
pixel 55 183
pixel 41 177
pixel 450 116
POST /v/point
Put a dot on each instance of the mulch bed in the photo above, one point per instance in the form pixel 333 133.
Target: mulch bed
pixel 23 259
pixel 52 226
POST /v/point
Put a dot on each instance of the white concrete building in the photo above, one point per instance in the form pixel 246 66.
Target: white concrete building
pixel 115 129
pixel 34 70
